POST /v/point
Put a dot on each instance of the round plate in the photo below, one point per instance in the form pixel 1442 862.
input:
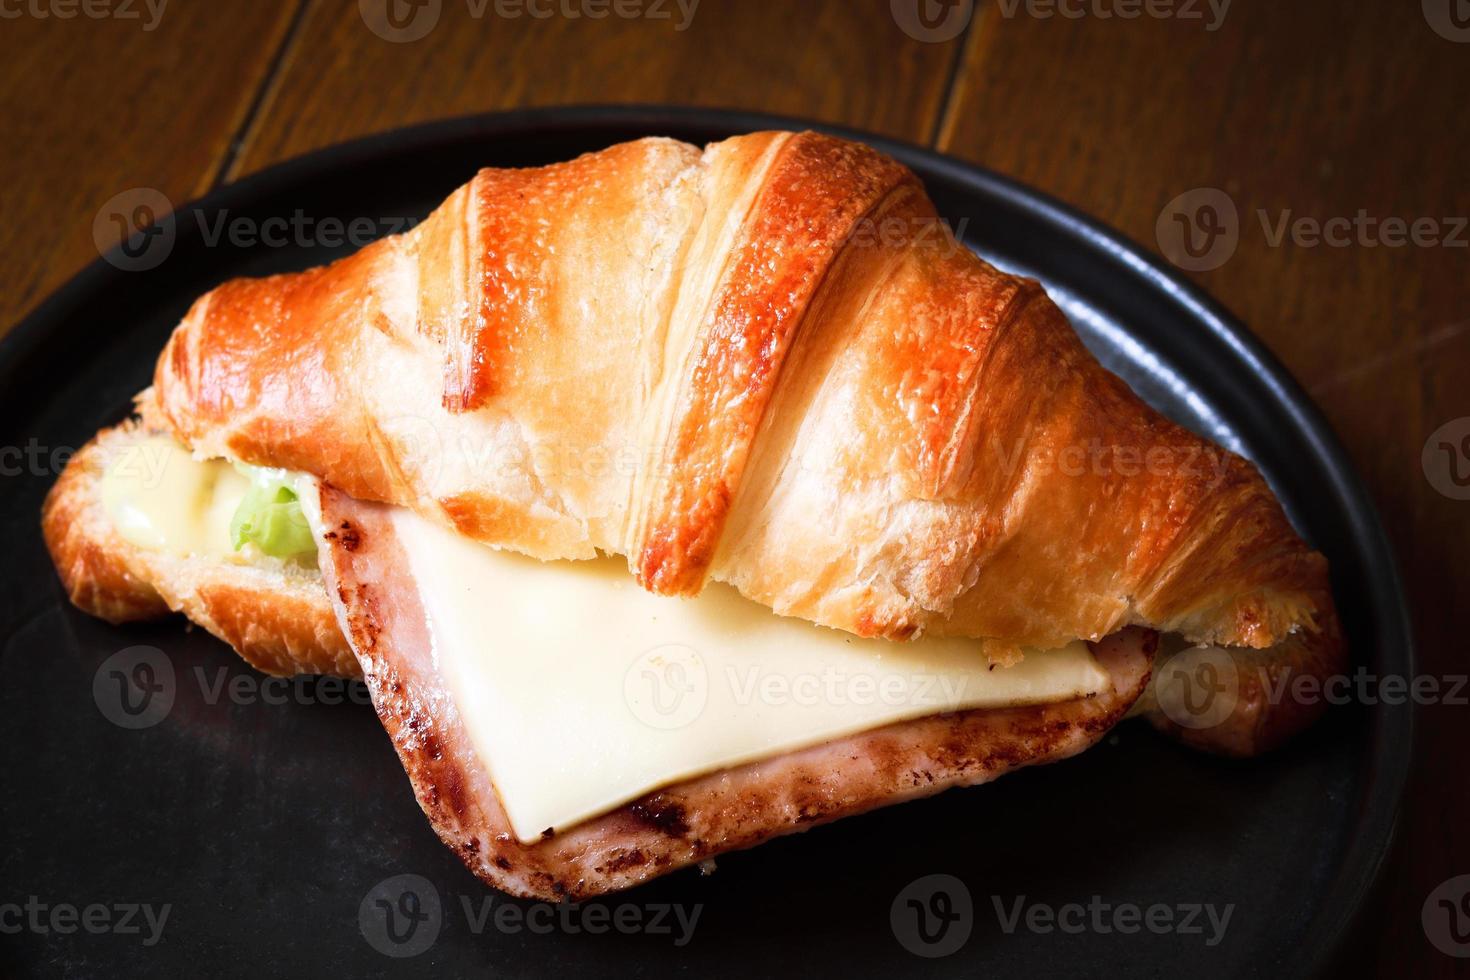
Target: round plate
pixel 271 819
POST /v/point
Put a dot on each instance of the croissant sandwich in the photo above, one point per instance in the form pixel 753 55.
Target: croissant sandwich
pixel 669 500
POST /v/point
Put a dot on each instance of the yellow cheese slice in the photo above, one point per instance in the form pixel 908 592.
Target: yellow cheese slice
pixel 161 498
pixel 581 691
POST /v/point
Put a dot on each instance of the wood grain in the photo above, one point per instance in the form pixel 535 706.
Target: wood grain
pixel 835 60
pixel 1295 110
pixel 93 107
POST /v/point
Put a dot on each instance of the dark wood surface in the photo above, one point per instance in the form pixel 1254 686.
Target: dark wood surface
pixel 1308 109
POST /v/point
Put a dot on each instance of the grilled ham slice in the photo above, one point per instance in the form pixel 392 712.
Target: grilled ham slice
pixel 378 603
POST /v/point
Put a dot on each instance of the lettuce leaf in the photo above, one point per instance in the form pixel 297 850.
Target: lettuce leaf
pixel 270 517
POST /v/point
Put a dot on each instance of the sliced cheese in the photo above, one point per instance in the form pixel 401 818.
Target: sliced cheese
pixel 161 498
pixel 581 691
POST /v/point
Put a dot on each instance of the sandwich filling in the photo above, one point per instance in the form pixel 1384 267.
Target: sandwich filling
pixel 580 690
pixel 161 498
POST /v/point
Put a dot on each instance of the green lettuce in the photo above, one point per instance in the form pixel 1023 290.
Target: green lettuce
pixel 270 517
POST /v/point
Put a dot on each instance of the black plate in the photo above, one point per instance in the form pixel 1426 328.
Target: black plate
pixel 265 826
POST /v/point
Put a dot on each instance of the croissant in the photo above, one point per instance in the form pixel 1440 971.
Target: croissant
pixel 766 363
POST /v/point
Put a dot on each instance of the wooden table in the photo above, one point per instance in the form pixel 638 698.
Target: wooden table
pixel 1303 109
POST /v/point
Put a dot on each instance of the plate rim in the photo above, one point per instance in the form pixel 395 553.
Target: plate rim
pixel 1391 730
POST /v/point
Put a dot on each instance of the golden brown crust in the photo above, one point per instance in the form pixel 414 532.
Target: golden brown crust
pixel 766 363
pixel 693 820
pixel 279 622
pixel 814 195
